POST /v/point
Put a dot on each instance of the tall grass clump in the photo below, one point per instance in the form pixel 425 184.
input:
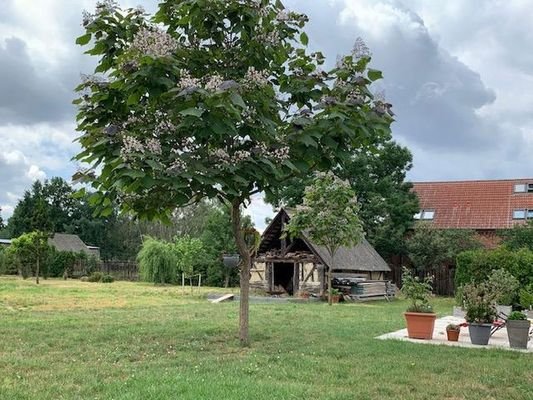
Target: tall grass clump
pixel 158 262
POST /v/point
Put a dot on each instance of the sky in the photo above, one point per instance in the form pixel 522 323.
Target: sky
pixel 458 73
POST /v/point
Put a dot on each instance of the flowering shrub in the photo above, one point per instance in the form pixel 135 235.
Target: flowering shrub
pixel 479 302
pixel 417 291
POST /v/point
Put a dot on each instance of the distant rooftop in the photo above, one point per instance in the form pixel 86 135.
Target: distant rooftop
pixel 476 204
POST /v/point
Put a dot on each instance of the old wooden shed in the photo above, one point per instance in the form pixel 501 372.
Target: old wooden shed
pixel 288 266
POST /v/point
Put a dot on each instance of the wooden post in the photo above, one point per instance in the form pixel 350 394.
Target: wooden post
pixel 199 280
pixel 296 278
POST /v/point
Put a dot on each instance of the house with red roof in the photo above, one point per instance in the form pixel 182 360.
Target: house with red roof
pixel 485 206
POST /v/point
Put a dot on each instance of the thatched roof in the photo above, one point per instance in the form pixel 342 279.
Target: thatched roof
pixel 362 257
pixel 67 242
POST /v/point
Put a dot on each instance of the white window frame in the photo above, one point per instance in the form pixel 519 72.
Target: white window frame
pixel 520 210
pixel 520 187
pixel 421 215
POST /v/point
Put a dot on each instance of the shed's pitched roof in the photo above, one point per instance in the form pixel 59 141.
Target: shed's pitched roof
pixel 482 204
pixel 362 257
pixel 67 242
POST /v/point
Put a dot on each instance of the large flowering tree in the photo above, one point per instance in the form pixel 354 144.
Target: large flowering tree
pixel 214 99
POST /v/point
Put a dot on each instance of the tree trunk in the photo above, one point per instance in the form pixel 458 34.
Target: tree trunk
pixel 226 279
pixel 245 271
pixel 37 272
pixel 330 279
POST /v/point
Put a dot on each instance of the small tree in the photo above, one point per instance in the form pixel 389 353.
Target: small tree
pixel 31 250
pixel 189 254
pixel 329 216
pixel 158 262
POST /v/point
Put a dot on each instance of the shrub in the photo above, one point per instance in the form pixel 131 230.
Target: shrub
pixel 477 265
pixel 84 279
pixel 417 291
pixel 158 262
pixel 61 261
pixel 96 277
pixel 504 286
pixel 526 296
pixel 108 279
pixel 517 316
pixel 479 300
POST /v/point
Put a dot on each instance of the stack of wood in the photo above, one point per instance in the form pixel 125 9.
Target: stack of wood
pixel 370 290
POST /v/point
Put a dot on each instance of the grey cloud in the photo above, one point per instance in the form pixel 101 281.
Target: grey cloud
pixel 435 96
pixel 28 95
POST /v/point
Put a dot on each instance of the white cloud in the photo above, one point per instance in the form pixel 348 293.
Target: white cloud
pixel 17 173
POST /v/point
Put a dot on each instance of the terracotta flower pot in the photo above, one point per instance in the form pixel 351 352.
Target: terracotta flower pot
pixel 420 325
pixel 453 335
pixel 335 298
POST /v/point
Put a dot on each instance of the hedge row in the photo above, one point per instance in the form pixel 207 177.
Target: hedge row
pixel 476 265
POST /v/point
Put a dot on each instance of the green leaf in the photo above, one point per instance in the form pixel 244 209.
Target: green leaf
pixel 133 99
pixel 195 112
pixel 304 39
pixel 134 173
pixel 84 39
pixel 154 164
pixel 237 100
pixel 374 74
pixel 309 141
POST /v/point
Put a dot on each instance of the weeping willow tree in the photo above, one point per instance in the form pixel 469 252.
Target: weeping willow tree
pixel 158 262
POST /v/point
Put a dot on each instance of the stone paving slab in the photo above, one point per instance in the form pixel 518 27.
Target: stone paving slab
pixel 498 340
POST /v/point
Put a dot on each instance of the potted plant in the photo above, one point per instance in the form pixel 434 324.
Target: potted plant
pixel 452 332
pixel 419 316
pixel 480 311
pixel 518 330
pixel 335 295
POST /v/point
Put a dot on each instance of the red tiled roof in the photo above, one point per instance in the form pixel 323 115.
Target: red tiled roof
pixel 473 204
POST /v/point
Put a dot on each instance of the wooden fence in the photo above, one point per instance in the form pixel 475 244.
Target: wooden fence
pixel 121 270
pixel 443 277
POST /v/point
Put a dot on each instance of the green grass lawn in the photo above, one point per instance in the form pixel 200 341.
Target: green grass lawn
pixel 76 340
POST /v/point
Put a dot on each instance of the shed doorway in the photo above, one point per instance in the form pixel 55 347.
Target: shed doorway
pixel 283 279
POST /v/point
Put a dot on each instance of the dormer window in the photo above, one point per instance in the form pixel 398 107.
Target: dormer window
pixel 523 188
pixel 519 214
pixel 520 187
pixel 523 214
pixel 425 215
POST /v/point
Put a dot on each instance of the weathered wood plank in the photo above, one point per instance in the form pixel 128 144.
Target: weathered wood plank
pixel 225 297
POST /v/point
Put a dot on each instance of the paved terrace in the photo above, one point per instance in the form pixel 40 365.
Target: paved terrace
pixel 497 341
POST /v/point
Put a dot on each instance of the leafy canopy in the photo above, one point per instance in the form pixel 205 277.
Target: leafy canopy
pixel 214 98
pixel 329 214
pixel 387 204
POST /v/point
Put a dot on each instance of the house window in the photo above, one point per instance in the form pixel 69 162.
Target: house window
pixel 519 214
pixel 529 214
pixel 427 214
pixel 530 188
pixel 520 188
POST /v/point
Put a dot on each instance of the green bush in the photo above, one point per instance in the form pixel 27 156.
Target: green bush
pixel 526 296
pixel 477 265
pixel 96 277
pixel 108 279
pixel 158 262
pixel 504 285
pixel 61 261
